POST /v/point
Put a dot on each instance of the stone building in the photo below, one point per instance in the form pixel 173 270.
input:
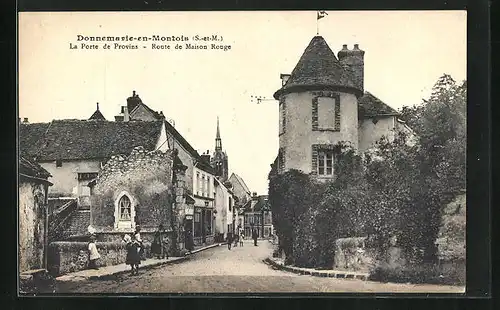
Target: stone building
pixel 33 221
pixel 132 190
pixel 323 102
pixel 73 151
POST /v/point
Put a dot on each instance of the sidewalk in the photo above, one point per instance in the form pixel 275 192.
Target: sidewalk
pixel 108 271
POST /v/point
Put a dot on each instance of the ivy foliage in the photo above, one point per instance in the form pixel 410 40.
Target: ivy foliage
pixel 398 189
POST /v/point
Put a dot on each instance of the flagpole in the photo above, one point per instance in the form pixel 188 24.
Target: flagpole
pixel 317 23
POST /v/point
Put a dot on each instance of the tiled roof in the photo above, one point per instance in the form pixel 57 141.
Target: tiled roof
pixel 33 169
pixel 262 203
pixel 369 105
pixel 318 68
pixel 30 137
pixel 97 116
pixel 202 164
pixel 79 139
pixel 242 183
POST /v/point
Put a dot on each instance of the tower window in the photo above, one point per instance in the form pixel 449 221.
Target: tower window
pixel 325 163
pixel 326 111
pixel 323 159
pixel 282 116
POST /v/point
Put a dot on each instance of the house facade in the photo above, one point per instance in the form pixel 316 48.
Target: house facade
pixel 33 216
pixel 258 216
pixel 73 151
pixel 226 209
pixel 322 103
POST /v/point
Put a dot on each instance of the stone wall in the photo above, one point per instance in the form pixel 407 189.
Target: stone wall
pixel 31 225
pixel 66 257
pixel 354 254
pixel 147 178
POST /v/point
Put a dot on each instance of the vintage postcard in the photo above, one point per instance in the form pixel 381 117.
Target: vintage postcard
pixel 249 152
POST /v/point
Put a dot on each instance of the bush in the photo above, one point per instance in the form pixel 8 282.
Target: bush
pixel 417 274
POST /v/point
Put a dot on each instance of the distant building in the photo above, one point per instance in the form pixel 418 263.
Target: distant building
pixel 323 102
pixel 240 189
pixel 33 216
pixel 226 208
pixel 219 160
pixel 258 216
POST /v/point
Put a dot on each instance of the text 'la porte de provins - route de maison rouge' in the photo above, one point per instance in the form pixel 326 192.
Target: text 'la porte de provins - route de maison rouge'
pixel 154 42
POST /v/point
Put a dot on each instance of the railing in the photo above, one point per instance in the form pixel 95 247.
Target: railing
pixel 59 216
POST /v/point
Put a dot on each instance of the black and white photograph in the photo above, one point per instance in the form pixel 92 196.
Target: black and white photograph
pixel 242 152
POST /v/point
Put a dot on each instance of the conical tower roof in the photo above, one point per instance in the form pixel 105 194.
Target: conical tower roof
pixel 319 69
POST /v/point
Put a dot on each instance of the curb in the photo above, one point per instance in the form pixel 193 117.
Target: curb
pixel 320 273
pixel 176 260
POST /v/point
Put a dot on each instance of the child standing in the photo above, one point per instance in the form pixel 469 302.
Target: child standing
pixel 242 237
pixel 133 257
pixel 93 253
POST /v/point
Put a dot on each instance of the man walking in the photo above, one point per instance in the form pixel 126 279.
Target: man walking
pixel 229 240
pixel 255 235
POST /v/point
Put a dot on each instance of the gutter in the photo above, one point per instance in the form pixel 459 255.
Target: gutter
pixel 36 179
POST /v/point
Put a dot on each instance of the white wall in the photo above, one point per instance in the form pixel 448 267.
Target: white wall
pixel 205 188
pixel 65 178
pixel 370 132
pixel 299 136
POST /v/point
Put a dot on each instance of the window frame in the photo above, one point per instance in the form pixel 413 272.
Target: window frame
pixel 316 163
pixel 124 223
pixel 315 116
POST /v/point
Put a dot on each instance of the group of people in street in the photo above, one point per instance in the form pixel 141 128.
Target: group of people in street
pixel 134 247
pixel 239 237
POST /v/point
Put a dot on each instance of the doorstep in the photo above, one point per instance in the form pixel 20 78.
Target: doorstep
pixel 115 270
pixel 279 264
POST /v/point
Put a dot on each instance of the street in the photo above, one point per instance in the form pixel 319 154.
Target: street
pixel 241 269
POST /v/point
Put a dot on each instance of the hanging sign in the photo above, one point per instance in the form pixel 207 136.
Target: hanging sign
pixel 189 210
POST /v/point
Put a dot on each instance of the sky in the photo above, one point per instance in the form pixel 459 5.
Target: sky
pixel 405 53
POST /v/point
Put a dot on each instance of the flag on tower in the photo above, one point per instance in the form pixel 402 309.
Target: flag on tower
pixel 321 14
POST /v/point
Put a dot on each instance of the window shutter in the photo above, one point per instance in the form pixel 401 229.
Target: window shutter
pixel 314 162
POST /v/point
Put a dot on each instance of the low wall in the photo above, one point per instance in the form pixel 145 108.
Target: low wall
pixel 65 257
pixel 354 254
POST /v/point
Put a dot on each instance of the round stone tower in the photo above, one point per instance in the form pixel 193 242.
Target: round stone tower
pixel 318 109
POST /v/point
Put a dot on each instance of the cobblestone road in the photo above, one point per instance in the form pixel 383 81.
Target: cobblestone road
pixel 219 270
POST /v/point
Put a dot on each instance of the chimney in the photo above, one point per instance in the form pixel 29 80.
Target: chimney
pixel 353 60
pixel 126 117
pixel 133 94
pixel 98 106
pixel 25 120
pixel 284 78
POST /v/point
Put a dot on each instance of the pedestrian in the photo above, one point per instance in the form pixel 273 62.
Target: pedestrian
pixel 242 236
pixel 255 235
pixel 229 240
pixel 133 258
pixel 236 239
pixel 137 237
pixel 93 253
pixel 189 240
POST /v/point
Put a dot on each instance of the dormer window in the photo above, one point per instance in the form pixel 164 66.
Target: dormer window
pixel 59 163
